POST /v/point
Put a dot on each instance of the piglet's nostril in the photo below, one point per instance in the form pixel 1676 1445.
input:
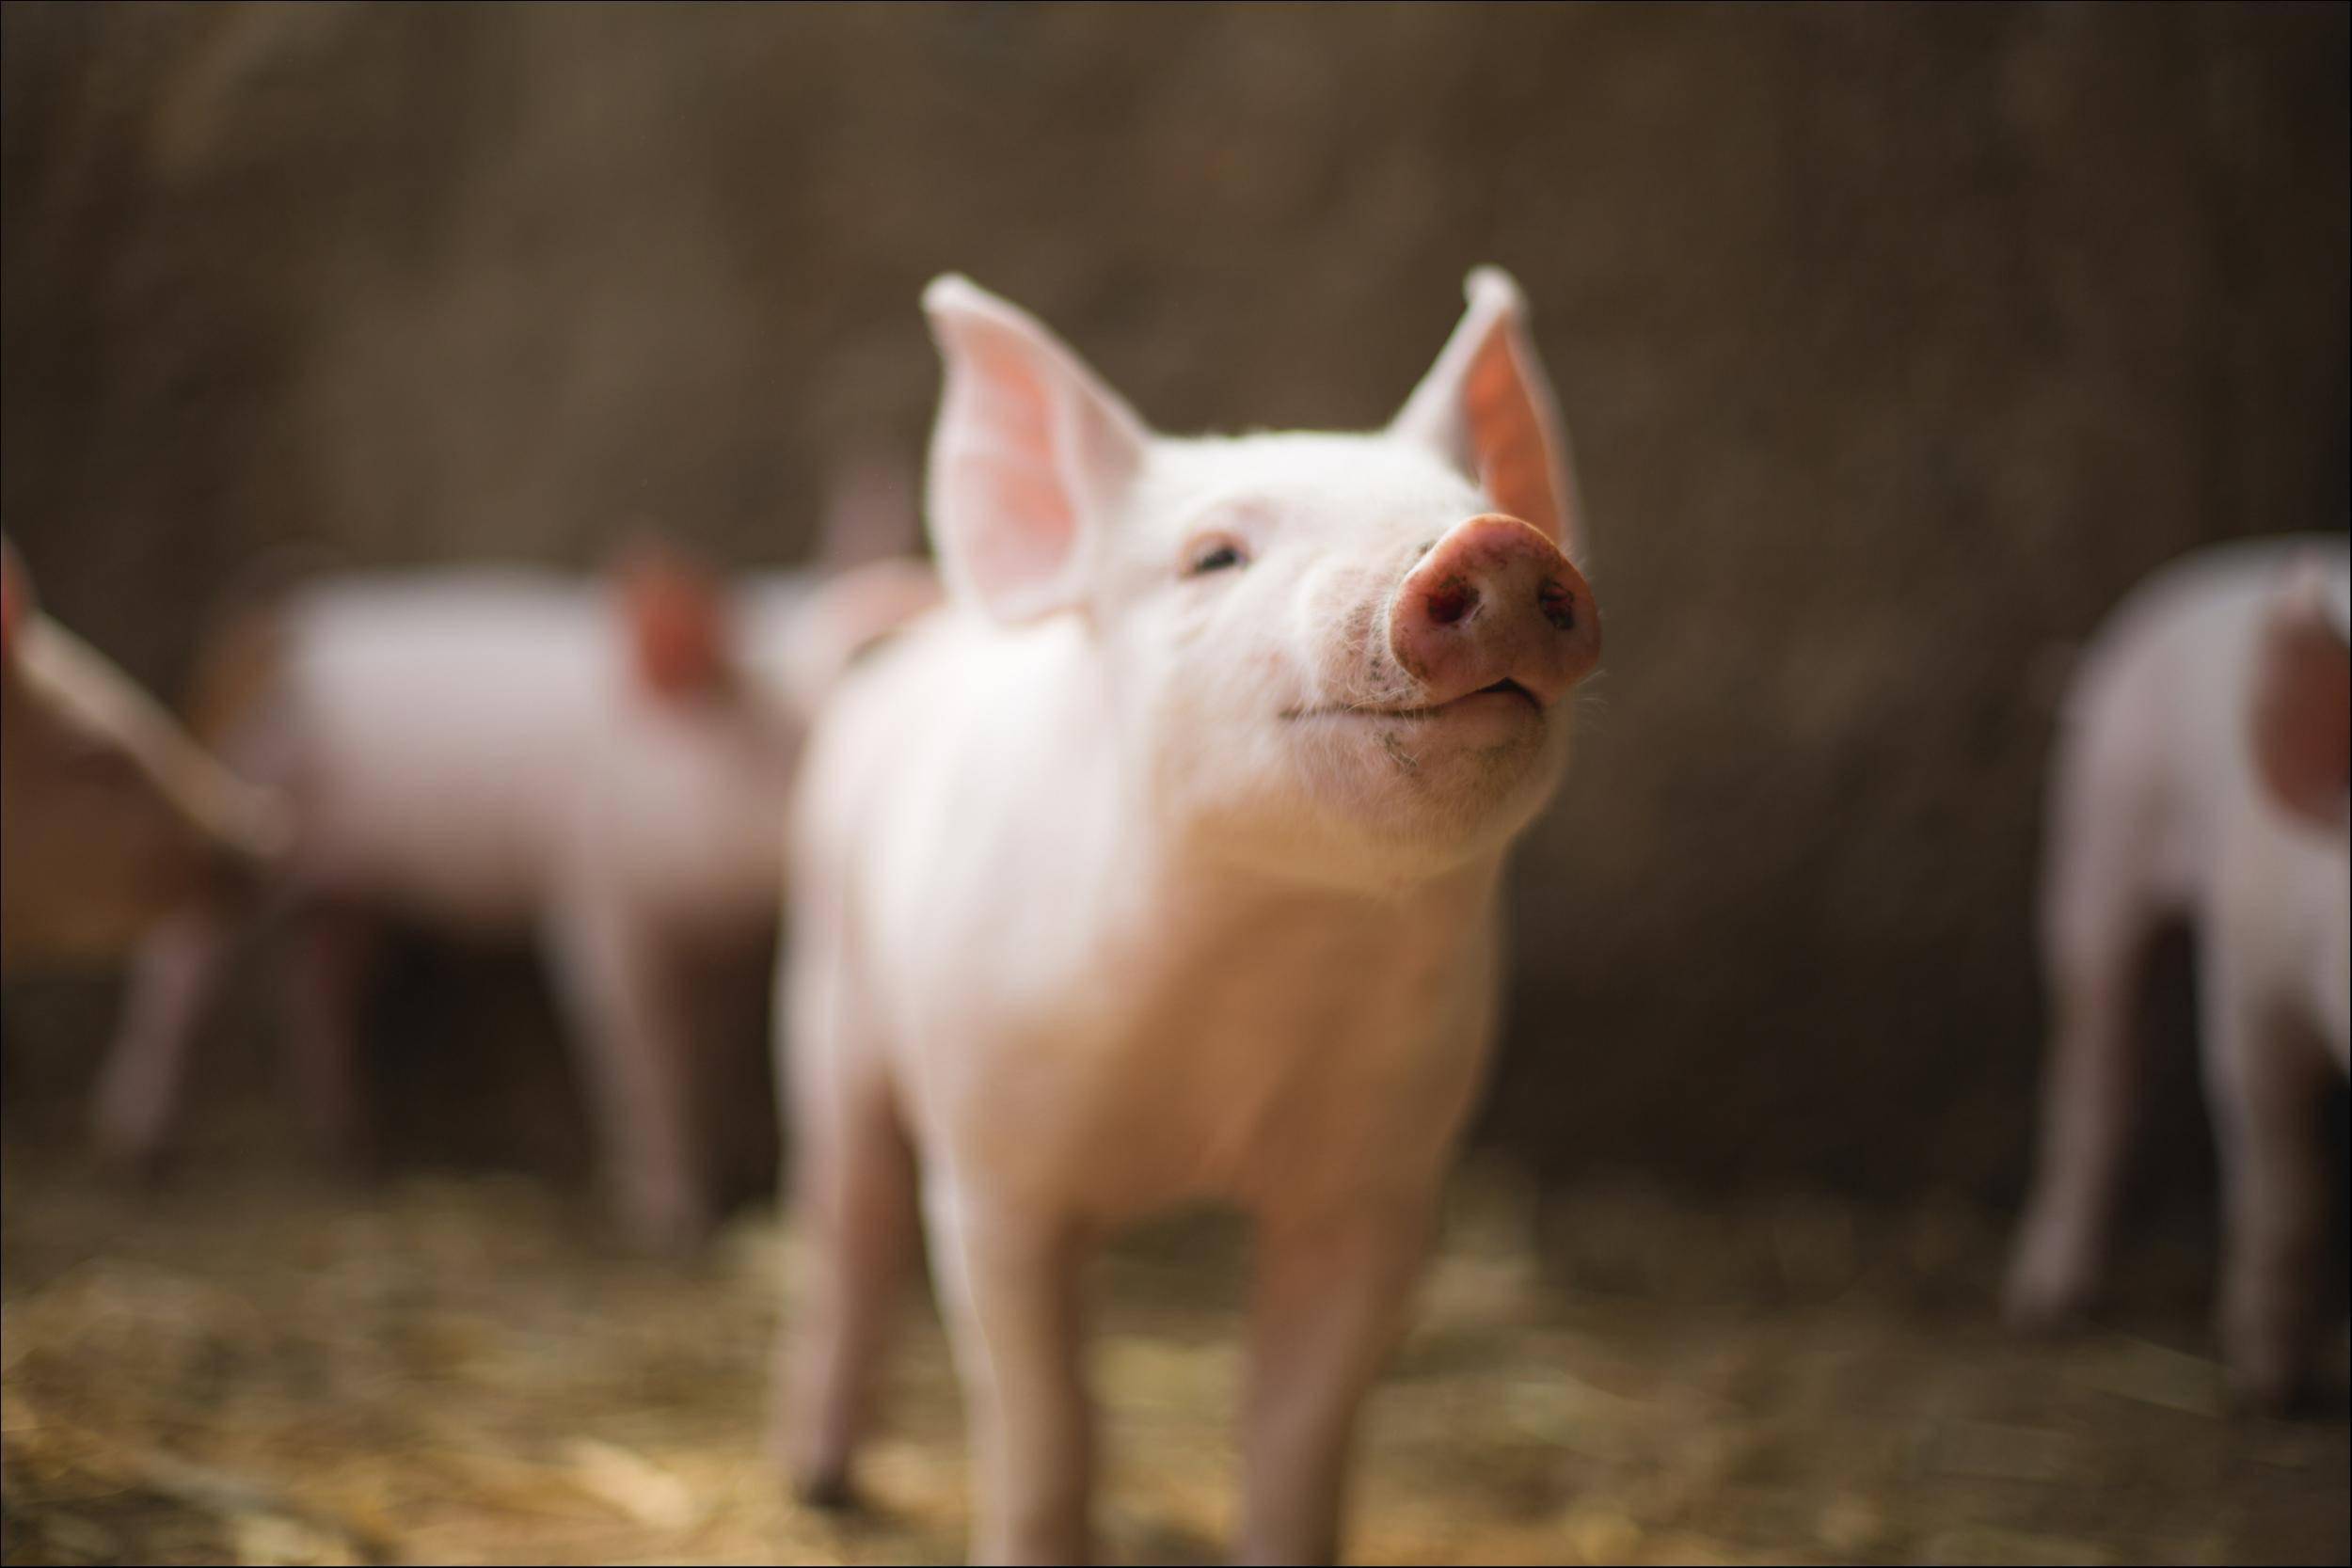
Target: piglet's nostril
pixel 1451 601
pixel 1558 604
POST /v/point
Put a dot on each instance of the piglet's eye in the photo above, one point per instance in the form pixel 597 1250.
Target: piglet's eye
pixel 1216 555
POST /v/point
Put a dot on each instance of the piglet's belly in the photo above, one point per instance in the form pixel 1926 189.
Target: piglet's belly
pixel 484 861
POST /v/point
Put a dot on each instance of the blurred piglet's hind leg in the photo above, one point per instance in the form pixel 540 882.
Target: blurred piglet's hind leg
pixel 2265 1082
pixel 855 1208
pixel 323 976
pixel 174 979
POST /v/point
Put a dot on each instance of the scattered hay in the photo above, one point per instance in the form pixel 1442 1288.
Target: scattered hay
pixel 252 1368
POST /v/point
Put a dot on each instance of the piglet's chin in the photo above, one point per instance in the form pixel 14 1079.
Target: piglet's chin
pixel 1426 789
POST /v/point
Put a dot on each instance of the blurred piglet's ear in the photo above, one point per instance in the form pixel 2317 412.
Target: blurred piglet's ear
pixel 2302 718
pixel 15 598
pixel 1487 408
pixel 675 618
pixel 1031 451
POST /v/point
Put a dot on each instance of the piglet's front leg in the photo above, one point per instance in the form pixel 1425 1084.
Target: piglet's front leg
pixel 1330 1302
pixel 1008 1277
pixel 630 1030
pixel 174 980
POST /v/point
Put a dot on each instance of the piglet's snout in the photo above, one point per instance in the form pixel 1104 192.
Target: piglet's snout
pixel 1494 600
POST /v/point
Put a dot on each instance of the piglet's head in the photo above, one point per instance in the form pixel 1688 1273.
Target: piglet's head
pixel 1350 653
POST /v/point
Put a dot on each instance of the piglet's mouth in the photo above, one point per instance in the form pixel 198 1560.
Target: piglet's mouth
pixel 1503 694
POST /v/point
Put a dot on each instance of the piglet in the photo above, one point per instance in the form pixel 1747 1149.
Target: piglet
pixel 603 769
pixel 1160 867
pixel 110 815
pixel 2200 774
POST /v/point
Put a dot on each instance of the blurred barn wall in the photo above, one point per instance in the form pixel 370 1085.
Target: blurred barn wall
pixel 1896 343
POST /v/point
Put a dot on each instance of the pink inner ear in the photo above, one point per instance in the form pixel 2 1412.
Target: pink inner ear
pixel 2303 720
pixel 1514 464
pixel 1001 471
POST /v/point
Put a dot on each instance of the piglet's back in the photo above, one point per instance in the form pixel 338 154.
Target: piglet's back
pixel 438 730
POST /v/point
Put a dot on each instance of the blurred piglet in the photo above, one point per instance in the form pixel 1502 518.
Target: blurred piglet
pixel 2201 773
pixel 602 769
pixel 110 815
pixel 1163 869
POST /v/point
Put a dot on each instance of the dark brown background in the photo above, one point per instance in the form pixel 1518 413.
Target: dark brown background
pixel 1896 343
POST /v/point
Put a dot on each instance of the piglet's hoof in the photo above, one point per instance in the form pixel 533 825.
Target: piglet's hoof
pixel 2044 1310
pixel 2282 1397
pixel 828 1493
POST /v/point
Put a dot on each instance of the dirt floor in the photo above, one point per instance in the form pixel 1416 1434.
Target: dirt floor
pixel 257 1365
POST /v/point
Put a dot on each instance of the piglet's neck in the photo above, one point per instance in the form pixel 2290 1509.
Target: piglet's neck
pixel 1208 897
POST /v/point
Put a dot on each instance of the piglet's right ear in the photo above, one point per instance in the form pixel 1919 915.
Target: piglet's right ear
pixel 2302 727
pixel 1487 407
pixel 1030 452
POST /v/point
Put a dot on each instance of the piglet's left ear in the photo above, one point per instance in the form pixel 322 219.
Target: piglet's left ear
pixel 1030 452
pixel 1486 406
